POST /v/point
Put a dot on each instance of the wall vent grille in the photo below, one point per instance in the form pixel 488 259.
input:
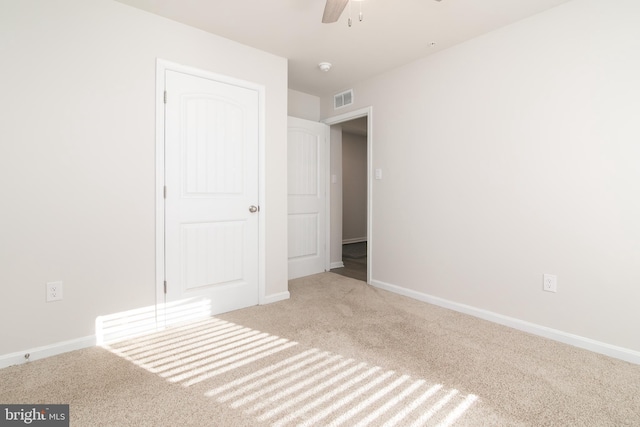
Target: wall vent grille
pixel 343 99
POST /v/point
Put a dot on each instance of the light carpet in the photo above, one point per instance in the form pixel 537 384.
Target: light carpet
pixel 339 352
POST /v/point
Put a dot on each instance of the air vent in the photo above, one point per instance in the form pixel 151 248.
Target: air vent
pixel 343 99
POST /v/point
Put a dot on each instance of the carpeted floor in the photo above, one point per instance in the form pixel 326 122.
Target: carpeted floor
pixel 339 352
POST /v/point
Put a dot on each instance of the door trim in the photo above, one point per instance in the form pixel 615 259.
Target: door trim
pixel 356 114
pixel 161 67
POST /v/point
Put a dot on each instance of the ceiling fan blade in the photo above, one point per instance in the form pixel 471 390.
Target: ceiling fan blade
pixel 332 10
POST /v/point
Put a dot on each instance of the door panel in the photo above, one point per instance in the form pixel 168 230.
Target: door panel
pixel 211 177
pixel 307 156
pixel 212 254
pixel 306 225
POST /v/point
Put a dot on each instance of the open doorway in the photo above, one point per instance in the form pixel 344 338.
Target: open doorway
pixel 354 199
pixel 351 245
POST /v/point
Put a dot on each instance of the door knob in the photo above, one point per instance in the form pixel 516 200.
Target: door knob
pixel 253 209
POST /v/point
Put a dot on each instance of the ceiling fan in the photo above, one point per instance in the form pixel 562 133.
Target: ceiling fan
pixel 332 10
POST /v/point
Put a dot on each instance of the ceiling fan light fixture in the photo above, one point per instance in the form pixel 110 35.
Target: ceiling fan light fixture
pixel 360 14
pixel 333 9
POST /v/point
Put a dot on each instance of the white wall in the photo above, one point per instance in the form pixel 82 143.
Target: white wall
pixel 513 155
pixel 303 106
pixel 354 187
pixel 77 150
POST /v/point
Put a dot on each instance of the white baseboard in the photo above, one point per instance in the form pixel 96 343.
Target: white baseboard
pixel 270 299
pixel 17 358
pixel 354 240
pixel 339 264
pixel 46 351
pixel 621 353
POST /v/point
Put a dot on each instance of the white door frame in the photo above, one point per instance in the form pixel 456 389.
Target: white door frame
pixel 161 67
pixel 356 114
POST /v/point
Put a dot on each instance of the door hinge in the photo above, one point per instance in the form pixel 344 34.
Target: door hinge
pixel 165 96
pixel 165 286
pixel 164 192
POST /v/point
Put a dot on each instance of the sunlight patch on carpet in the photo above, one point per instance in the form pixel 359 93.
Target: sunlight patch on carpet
pixel 281 383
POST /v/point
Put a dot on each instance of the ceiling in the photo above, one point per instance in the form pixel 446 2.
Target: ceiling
pixel 392 33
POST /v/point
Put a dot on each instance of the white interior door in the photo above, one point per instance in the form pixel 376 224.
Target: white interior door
pixel 211 178
pixel 307 163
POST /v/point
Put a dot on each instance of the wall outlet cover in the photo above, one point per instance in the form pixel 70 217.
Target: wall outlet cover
pixel 550 283
pixel 54 291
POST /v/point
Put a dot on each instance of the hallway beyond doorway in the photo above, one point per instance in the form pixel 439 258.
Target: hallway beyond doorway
pixel 354 258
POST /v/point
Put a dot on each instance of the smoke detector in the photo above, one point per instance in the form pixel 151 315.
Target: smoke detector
pixel 324 66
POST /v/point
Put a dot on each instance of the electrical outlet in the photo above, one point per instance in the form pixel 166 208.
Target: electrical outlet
pixel 54 291
pixel 550 283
